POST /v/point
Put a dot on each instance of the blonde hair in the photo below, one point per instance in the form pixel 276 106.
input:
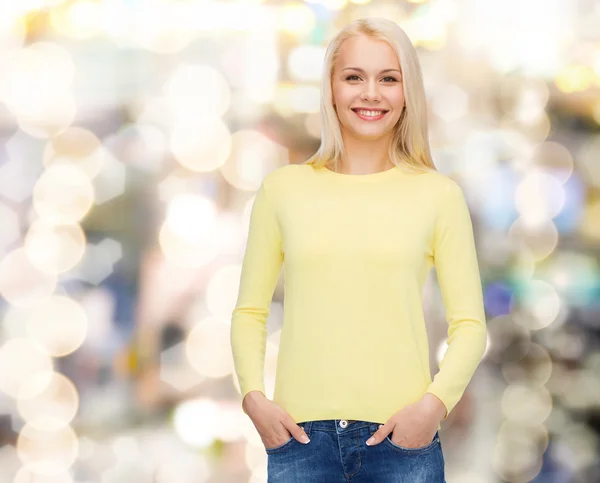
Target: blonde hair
pixel 409 147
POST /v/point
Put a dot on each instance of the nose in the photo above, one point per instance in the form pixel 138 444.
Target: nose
pixel 371 91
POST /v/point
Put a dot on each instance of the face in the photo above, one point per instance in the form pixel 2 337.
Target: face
pixel 366 78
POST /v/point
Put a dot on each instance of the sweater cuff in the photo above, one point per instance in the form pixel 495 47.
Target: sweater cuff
pixel 261 389
pixel 432 390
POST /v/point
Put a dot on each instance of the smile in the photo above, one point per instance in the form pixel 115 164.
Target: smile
pixel 370 115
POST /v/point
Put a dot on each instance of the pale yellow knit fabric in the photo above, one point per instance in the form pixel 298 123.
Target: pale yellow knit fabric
pixel 355 252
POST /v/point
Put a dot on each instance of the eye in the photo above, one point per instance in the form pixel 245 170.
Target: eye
pixel 391 79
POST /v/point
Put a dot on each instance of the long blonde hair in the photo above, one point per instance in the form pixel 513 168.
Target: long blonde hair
pixel 409 147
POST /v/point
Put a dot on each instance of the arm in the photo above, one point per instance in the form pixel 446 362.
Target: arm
pixel 458 275
pixel 261 267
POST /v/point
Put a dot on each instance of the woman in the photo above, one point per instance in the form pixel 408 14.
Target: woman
pixel 359 225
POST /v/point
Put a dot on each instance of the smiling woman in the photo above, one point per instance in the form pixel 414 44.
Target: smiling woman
pixel 358 226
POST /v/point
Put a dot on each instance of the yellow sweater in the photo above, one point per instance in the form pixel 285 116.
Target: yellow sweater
pixel 355 251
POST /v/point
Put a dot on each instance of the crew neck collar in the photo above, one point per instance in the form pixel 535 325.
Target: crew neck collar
pixel 379 175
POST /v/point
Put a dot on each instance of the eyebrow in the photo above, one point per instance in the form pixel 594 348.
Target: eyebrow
pixel 361 70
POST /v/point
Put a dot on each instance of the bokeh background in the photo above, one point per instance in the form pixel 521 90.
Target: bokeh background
pixel 134 135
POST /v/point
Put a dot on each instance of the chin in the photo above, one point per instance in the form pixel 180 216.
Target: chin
pixel 371 135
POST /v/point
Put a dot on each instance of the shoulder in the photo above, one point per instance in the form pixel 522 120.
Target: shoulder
pixel 441 186
pixel 285 176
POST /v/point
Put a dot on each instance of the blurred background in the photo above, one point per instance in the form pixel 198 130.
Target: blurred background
pixel 134 135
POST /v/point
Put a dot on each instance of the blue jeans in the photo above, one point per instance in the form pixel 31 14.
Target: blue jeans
pixel 338 453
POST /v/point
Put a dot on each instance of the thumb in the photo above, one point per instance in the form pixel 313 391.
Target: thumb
pixel 382 432
pixel 295 430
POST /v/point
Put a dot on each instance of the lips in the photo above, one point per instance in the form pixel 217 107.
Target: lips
pixel 382 113
pixel 355 109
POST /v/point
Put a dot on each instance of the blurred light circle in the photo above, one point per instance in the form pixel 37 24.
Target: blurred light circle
pixel 51 116
pixel 535 129
pixel 330 4
pixel 47 401
pixel 196 421
pixel 540 237
pixel 450 102
pixel 534 368
pixel 51 3
pixel 42 473
pixel 35 74
pixel 36 87
pixel 517 455
pixel 558 386
pixel 21 283
pixel 287 100
pixel 555 158
pixel 575 78
pixel 581 391
pixel 510 341
pixel 296 18
pixel 196 89
pixel 59 324
pixel 185 208
pixel 525 98
pixel 304 99
pixel 13 33
pixel 539 196
pixel 253 156
pixel 63 194
pixel 228 233
pixel 305 63
pixel 200 144
pixel 536 305
pixel 126 448
pixel 164 27
pixel 184 253
pixel 569 346
pixel 20 359
pixel 526 405
pixel 56 450
pixel 75 146
pixel 204 348
pixel 79 20
pixel 587 159
pixel 575 276
pixel 522 265
pixel 528 437
pixel 590 226
pixel 54 248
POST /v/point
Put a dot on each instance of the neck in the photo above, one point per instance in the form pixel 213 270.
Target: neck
pixel 365 157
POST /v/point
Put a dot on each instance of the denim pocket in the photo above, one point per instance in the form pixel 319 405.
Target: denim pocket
pixel 285 445
pixel 421 449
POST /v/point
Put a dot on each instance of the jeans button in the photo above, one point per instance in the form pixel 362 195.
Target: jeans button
pixel 343 423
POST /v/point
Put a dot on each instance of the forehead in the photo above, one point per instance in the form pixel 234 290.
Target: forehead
pixel 367 53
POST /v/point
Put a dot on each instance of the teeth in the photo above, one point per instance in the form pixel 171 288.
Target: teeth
pixel 370 113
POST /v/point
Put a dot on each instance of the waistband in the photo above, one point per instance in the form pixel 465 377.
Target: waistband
pixel 338 425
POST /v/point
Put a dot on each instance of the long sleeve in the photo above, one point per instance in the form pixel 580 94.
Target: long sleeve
pixel 261 267
pixel 459 279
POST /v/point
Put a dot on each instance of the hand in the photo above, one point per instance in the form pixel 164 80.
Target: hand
pixel 274 425
pixel 416 423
